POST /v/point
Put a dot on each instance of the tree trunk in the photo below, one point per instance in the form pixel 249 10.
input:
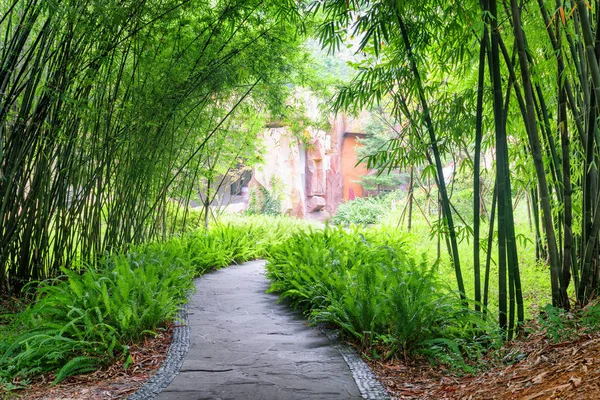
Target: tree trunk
pixel 559 294
pixel 490 6
pixel 488 258
pixel 476 170
pixel 446 210
pixel 568 265
pixel 411 184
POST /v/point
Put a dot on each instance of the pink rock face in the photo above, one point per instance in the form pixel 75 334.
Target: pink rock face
pixel 315 173
pixel 338 127
pixel 298 209
pixel 283 170
pixel 315 203
pixel 316 150
pixel 335 184
pixel 315 178
pixel 322 216
pixel 308 179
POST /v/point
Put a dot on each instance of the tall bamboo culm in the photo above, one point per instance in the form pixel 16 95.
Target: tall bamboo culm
pixel 104 111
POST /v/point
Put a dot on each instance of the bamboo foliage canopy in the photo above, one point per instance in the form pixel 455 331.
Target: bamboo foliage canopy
pixel 106 111
pixel 514 78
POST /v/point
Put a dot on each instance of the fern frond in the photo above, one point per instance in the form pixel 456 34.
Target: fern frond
pixel 77 365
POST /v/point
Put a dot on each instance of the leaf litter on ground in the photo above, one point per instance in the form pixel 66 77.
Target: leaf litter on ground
pixel 530 368
pixel 113 382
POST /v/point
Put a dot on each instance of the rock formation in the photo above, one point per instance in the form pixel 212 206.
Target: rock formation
pixel 311 177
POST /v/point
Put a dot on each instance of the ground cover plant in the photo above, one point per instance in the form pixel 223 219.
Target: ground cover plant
pixel 368 210
pixel 424 232
pixel 370 284
pixel 81 321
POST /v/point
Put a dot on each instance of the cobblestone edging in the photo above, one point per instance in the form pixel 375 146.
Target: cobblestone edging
pixel 369 387
pixel 172 363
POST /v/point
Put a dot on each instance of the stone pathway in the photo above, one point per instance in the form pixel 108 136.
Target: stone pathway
pixel 243 345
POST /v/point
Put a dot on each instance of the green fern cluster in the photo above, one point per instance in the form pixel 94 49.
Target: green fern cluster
pixel 81 321
pixel 366 283
pixel 238 240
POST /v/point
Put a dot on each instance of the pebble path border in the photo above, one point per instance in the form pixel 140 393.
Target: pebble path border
pixel 368 385
pixel 370 388
pixel 170 367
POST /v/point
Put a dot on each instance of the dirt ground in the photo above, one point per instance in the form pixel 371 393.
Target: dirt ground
pixel 566 370
pixel 111 383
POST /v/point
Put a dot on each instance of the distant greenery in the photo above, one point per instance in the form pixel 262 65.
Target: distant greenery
pixel 369 283
pixel 365 211
pixel 265 202
pixel 378 136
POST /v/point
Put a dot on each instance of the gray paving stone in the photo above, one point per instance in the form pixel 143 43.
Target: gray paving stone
pixel 243 345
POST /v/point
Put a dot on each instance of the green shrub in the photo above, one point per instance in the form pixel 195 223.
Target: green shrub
pixel 264 201
pixel 226 243
pixel 80 322
pixel 558 324
pixel 207 250
pixel 360 309
pixel 417 303
pixel 291 264
pixel 366 283
pixel 590 316
pixel 368 210
pixel 264 232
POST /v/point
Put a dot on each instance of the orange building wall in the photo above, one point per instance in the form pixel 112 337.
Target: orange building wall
pixel 350 171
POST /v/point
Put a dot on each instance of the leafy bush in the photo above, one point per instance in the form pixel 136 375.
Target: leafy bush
pixel 263 232
pixel 361 309
pixel 368 210
pixel 590 316
pixel 556 323
pixel 417 303
pixel 290 265
pixel 366 283
pixel 80 322
pixel 264 201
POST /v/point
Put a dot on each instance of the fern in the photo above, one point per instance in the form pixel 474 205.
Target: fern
pixel 366 283
pixel 77 365
pixel 85 319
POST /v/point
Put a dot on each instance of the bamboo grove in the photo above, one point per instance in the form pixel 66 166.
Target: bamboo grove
pixel 517 78
pixel 112 111
pixel 109 110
